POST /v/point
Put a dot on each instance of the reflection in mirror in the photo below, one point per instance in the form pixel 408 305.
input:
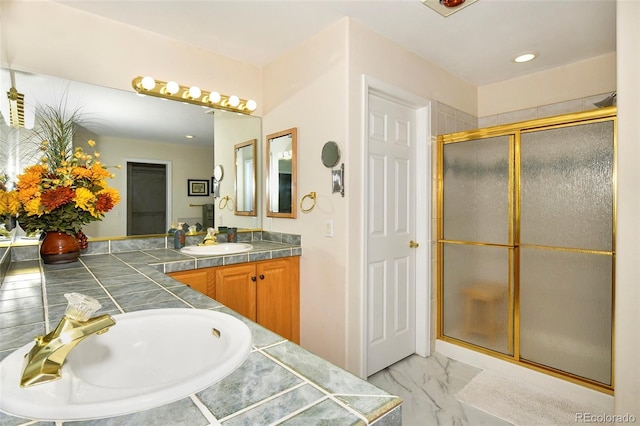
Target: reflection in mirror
pixel 218 172
pixel 245 160
pixel 282 174
pixel 127 126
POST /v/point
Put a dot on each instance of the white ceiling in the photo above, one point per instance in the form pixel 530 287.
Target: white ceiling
pixel 477 43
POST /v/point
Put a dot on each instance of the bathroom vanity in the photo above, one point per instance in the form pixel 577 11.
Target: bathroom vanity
pixel 280 382
pixel 267 292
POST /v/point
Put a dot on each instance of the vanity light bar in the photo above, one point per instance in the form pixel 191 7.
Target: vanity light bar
pixel 193 95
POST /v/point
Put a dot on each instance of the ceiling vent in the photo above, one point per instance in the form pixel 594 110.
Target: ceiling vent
pixel 447 7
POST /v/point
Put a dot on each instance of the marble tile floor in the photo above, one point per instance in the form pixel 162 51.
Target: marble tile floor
pixel 428 387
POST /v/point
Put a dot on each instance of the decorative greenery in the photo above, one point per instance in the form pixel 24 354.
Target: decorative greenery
pixel 67 188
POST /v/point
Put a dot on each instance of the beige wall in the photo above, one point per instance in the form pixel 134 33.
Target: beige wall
pixel 627 300
pixel 306 88
pixel 573 81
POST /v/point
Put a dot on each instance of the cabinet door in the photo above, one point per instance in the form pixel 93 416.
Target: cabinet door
pixel 197 279
pixel 278 296
pixel 235 287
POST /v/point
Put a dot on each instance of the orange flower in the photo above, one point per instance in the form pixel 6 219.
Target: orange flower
pixel 99 172
pixel 81 172
pixel 26 194
pixel 56 197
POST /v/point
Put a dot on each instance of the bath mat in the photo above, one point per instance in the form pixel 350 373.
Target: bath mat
pixel 521 404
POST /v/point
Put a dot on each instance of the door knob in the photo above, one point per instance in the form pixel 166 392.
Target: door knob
pixel 413 244
pixel 253 278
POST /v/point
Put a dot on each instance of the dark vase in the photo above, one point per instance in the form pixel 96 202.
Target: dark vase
pixel 58 247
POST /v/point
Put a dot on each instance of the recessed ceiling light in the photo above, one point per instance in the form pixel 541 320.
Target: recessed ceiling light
pixel 189 136
pixel 525 57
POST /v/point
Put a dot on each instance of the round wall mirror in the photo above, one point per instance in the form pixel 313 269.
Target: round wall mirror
pixel 330 154
pixel 218 173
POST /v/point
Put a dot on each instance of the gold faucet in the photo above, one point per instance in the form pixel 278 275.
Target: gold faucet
pixel 210 239
pixel 43 363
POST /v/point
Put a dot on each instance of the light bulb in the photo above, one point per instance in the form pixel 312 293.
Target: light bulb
pixel 214 97
pixel 148 83
pixel 234 101
pixel 172 87
pixel 195 92
pixel 251 105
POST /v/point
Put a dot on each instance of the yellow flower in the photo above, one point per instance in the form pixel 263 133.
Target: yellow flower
pixel 13 203
pixel 91 142
pixel 84 198
pixel 32 207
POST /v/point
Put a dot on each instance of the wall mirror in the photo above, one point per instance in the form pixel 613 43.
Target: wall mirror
pixel 330 154
pixel 245 161
pixel 282 174
pixel 127 126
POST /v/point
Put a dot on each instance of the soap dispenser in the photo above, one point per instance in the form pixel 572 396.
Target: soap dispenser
pixel 179 238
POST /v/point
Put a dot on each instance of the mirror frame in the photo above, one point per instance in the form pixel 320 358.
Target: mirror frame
pixel 237 147
pixel 293 132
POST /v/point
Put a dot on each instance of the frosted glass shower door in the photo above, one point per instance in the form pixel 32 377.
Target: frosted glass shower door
pixel 476 242
pixel 566 249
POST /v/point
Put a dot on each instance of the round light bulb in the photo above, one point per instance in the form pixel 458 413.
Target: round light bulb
pixel 148 83
pixel 234 101
pixel 251 105
pixel 172 87
pixel 214 97
pixel 195 92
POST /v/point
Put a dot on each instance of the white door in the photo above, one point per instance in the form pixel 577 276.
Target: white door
pixel 391 261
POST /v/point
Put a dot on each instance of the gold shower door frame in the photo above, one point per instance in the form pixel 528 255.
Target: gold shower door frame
pixel 514 131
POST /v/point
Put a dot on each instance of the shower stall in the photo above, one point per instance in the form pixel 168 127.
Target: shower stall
pixel 526 243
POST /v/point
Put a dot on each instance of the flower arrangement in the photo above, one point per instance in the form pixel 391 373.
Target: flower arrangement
pixel 65 196
pixel 67 188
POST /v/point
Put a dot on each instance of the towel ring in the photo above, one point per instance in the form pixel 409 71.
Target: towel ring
pixel 312 196
pixel 222 204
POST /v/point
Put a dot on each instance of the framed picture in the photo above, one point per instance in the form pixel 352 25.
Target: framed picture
pixel 198 187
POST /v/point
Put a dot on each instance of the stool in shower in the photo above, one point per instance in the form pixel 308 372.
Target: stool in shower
pixel 482 303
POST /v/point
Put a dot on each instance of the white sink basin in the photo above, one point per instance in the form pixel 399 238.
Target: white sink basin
pixel 216 249
pixel 149 358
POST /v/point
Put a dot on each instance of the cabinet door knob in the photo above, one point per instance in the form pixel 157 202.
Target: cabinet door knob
pixel 253 278
pixel 262 277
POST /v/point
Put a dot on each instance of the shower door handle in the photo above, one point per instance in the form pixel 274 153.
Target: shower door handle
pixel 413 244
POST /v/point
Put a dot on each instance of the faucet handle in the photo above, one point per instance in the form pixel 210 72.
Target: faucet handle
pixel 81 307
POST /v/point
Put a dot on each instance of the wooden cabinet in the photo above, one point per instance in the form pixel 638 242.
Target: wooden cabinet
pixel 235 287
pixel 197 279
pixel 267 292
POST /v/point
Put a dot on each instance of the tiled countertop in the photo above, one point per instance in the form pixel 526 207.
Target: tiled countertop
pixel 279 383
